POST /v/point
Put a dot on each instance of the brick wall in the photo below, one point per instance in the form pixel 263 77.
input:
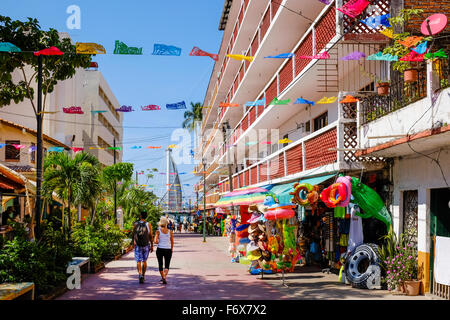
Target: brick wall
pixel 294 160
pixel 430 7
pixel 317 153
pixel 286 75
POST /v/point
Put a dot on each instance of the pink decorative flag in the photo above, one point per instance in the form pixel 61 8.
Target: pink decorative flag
pixel 323 55
pixel 150 107
pixel 73 110
pixel 413 56
pixel 18 146
pixel 77 149
pixel 357 55
pixel 198 52
pixel 354 8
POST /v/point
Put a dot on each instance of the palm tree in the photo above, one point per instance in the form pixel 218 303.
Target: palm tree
pixel 75 180
pixel 190 117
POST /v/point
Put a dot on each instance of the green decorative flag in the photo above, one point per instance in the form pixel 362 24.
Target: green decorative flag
pixel 370 202
pixel 122 48
pixel 277 102
pixel 115 148
pixel 438 54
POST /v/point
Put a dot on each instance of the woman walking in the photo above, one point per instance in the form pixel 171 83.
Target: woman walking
pixel 164 240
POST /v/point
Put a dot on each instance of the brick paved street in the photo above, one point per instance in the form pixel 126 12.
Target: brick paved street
pixel 203 271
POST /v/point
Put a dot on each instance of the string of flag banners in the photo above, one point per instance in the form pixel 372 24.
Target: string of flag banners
pixel 352 8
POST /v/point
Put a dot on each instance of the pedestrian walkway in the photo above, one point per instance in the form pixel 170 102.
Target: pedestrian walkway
pixel 203 271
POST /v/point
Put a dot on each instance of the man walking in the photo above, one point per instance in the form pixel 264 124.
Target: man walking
pixel 142 236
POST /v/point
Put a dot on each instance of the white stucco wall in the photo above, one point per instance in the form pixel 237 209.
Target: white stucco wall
pixel 422 174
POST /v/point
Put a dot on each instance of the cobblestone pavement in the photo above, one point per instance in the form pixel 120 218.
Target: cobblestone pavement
pixel 203 271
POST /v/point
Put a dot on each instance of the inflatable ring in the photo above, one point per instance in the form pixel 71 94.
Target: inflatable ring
pixel 347 181
pixel 298 188
pixel 338 193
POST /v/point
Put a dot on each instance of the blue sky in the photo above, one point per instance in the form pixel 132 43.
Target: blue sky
pixel 146 79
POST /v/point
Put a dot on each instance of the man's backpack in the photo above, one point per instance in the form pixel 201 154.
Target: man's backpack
pixel 141 236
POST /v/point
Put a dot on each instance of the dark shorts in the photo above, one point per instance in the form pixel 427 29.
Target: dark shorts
pixel 141 253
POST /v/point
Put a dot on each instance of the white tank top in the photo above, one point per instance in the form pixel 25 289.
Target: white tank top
pixel 164 240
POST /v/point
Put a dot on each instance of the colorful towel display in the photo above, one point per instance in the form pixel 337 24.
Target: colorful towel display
pixel 198 52
pixel 122 48
pixel 165 50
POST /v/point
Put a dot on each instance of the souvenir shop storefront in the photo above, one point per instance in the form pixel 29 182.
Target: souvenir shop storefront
pixel 319 222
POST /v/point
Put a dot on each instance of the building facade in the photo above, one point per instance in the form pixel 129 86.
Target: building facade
pixel 366 138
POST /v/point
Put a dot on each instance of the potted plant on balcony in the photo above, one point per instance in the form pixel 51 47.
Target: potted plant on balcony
pixel 410 73
pixel 383 87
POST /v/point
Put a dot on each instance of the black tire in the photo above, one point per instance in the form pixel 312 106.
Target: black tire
pixel 367 252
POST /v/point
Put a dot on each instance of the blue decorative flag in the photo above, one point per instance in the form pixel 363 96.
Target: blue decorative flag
pixel 376 21
pixel 56 149
pixel 421 48
pixel 2 145
pixel 282 56
pixel 136 147
pixel 164 50
pixel 261 102
pixel 8 47
pixel 175 106
pixel 304 101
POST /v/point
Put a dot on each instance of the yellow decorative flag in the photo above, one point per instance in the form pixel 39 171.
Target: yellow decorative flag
pixel 388 32
pixel 172 146
pixel 285 140
pixel 326 100
pixel 240 57
pixel 90 48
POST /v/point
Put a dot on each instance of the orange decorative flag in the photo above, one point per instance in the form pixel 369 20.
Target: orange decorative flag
pixel 227 104
pixel 349 99
pixel 151 147
pixel 410 41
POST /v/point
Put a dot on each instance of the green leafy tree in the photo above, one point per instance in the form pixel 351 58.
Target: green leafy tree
pixel 192 116
pixel 70 178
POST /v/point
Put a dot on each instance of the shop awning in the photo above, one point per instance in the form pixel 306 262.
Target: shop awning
pixel 244 196
pixel 317 180
pixel 281 191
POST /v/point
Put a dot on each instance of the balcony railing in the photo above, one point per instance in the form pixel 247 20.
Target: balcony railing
pixel 400 95
pixel 308 153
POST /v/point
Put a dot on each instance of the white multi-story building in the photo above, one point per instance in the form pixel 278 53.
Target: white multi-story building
pixel 355 138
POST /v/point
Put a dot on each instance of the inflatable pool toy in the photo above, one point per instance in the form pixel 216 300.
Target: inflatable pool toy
pixel 300 193
pixel 279 213
pixel 370 202
pixel 289 238
pixel 347 181
pixel 334 195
